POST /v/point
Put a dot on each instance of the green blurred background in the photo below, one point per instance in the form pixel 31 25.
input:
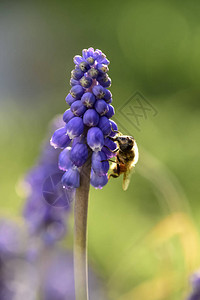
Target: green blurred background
pixel 143 242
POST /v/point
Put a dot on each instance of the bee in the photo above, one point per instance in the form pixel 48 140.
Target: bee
pixel 126 158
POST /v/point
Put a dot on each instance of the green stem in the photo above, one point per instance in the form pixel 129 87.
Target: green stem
pixel 80 234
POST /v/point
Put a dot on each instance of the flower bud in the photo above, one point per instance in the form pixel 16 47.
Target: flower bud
pixel 108 95
pixel 98 91
pixel 75 127
pixel 104 125
pixel 77 91
pixel 60 139
pixel 78 108
pixel 95 138
pixel 78 139
pixel 84 66
pixel 91 118
pixel 68 115
pixel 98 181
pixel 69 99
pixel 79 154
pixel 98 55
pixel 111 112
pixel 77 59
pixel 103 60
pixel 100 165
pixel 106 84
pixel 104 80
pixel 73 82
pixel 109 101
pixel 71 178
pixel 101 107
pixel 90 60
pixel 102 68
pixel 88 99
pixel 64 161
pixel 77 74
pixel 93 73
pixel 86 81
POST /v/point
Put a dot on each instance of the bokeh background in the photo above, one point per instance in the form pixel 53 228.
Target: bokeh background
pixel 143 243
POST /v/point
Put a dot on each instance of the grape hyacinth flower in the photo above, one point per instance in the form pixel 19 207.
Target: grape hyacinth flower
pixel 195 281
pixel 85 140
pixel 18 278
pixel 47 203
pixel 89 117
pixel 59 280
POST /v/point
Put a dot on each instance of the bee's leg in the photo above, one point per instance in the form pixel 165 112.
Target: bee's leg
pixel 116 172
pixel 109 160
pixel 113 175
pixel 111 138
pixel 115 131
pixel 113 151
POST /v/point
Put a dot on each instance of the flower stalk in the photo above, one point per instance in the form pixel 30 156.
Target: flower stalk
pixel 80 233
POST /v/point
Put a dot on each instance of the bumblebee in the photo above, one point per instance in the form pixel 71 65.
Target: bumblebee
pixel 126 158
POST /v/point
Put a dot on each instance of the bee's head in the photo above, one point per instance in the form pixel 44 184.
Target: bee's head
pixel 126 142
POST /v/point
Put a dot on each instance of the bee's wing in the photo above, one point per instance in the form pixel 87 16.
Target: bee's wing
pixel 126 181
pixel 126 178
pixel 127 175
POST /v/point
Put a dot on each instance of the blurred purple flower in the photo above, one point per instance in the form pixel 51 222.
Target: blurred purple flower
pixel 59 280
pixel 195 282
pixel 18 278
pixel 33 270
pixel 47 202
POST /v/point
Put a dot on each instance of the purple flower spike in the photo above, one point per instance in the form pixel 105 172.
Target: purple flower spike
pixel 64 161
pixel 91 118
pixel 98 182
pixel 71 179
pixel 77 91
pixel 88 99
pixel 75 127
pixel 69 99
pixel 79 154
pixel 111 112
pixel 68 115
pixel 78 108
pixel 98 91
pixel 88 122
pixel 100 165
pixel 95 139
pixel 101 107
pixel 60 139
